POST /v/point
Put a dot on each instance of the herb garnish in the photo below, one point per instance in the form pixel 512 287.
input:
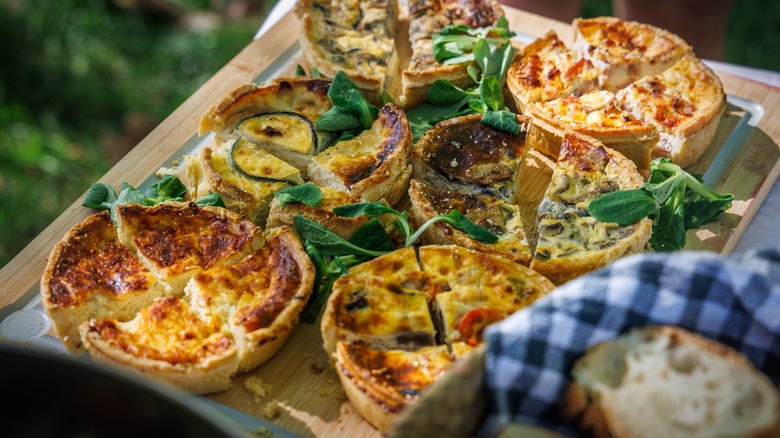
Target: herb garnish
pixel 308 194
pixel 673 198
pixel 332 255
pixel 492 52
pixel 351 112
pixel 102 196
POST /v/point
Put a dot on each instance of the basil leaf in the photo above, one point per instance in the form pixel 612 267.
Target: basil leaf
pixel 623 207
pixel 502 120
pixel 308 194
pixel 371 209
pixel 99 196
pixel 212 199
pixel 476 232
pixel 326 241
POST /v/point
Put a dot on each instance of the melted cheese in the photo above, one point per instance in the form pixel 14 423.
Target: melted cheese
pixel 596 109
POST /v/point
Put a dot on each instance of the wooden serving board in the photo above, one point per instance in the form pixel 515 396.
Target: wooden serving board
pixel 303 389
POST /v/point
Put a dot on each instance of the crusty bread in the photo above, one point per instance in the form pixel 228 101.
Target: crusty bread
pixel 373 165
pixel 594 114
pixel 684 103
pixel 668 382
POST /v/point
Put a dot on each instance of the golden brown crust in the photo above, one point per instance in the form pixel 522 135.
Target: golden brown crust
pixel 302 95
pixel 498 217
pixel 585 170
pixel 90 274
pixel 372 166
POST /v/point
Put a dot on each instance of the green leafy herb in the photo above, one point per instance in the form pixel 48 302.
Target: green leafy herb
pixel 351 112
pixel 316 73
pixel 673 198
pixel 102 197
pixel 308 194
pixel 299 71
pixel 502 120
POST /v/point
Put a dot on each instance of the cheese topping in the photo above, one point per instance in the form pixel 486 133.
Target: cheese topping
pixel 596 109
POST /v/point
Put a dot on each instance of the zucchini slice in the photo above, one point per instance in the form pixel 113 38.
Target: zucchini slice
pixel 252 162
pixel 281 131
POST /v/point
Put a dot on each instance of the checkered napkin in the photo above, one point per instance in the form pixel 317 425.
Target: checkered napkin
pixel 529 356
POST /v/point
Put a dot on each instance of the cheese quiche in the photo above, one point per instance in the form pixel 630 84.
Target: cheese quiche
pixel 230 319
pixel 500 218
pixel 597 115
pixel 463 154
pixel 570 241
pixel 626 50
pixel 546 69
pixel 427 17
pixel 372 166
pixel 395 324
pixel 356 37
pixel 684 103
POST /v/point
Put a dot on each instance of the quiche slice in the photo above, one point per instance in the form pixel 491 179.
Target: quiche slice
pixel 176 240
pixel 427 17
pixel 546 69
pixel 384 302
pixel 260 298
pixel 684 103
pixel 365 16
pixel 168 340
pixel 473 289
pixel 570 241
pixel 372 166
pixel 365 57
pixel 90 274
pixel 465 155
pixel 381 383
pixel 500 218
pixel 595 114
pixel 626 50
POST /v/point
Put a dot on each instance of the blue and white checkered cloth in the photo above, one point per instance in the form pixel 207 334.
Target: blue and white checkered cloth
pixel 734 300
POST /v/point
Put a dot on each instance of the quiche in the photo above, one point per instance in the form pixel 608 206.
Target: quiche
pixel 463 154
pixel 372 166
pixel 570 241
pixel 395 324
pixel 684 103
pixel 356 37
pixel 500 218
pixel 595 114
pixel 229 319
pixel 427 17
pixel 546 69
pixel 626 50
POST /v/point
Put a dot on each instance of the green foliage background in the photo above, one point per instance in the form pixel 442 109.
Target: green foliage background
pixel 75 74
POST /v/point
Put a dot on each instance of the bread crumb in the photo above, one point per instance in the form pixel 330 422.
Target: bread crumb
pixel 257 387
pixel 272 409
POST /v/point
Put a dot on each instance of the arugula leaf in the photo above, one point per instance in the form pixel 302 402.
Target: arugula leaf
pixel 372 235
pixel 424 116
pixel 457 220
pixel 308 194
pixel 445 93
pixel 502 120
pixel 327 242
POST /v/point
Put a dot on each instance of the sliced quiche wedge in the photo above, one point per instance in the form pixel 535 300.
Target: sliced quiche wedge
pixel 372 166
pixel 684 103
pixel 626 50
pixel 546 69
pixel 595 114
pixel 500 218
pixel 90 274
pixel 570 241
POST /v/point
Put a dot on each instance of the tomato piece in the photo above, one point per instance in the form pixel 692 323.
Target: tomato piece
pixel 474 322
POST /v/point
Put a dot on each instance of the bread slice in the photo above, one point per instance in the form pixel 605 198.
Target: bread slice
pixel 372 166
pixel 666 381
pixel 501 218
pixel 626 50
pixel 260 298
pixel 465 155
pixel 473 289
pixel 684 103
pixel 176 240
pixel 90 274
pixel 546 69
pixel 380 384
pixel 427 17
pixel 596 115
pixel 169 341
pixel 571 242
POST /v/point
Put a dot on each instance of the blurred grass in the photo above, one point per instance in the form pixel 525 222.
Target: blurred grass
pixel 82 81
